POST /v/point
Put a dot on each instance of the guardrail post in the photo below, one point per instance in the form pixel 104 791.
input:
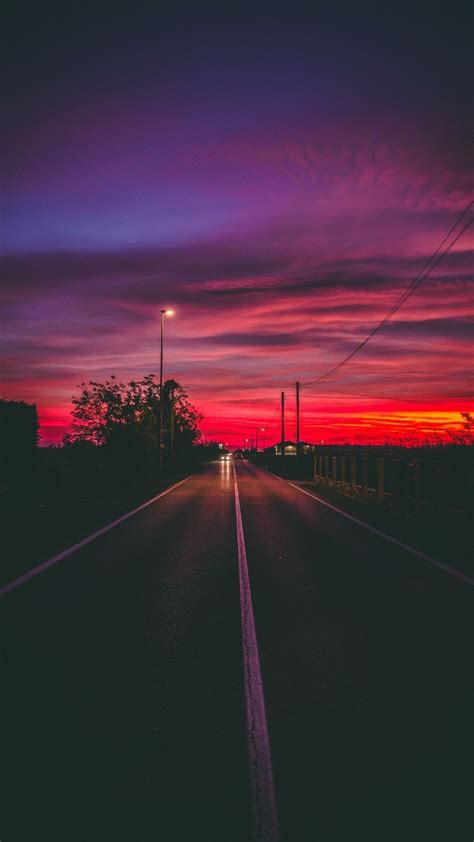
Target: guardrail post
pixel 342 469
pixel 353 472
pixel 365 476
pixel 380 478
pixel 396 485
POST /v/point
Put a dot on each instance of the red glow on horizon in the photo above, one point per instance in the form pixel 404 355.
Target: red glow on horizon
pixel 341 421
pixel 350 425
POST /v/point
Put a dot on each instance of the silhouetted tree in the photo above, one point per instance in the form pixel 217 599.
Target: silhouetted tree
pixel 124 417
pixel 19 432
pixel 466 434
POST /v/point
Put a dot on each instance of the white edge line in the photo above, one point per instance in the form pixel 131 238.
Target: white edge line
pixel 262 792
pixel 46 564
pixel 447 569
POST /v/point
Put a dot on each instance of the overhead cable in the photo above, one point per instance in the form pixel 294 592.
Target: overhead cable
pixel 428 267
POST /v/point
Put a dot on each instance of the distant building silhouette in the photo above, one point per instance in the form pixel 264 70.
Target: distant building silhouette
pixel 290 448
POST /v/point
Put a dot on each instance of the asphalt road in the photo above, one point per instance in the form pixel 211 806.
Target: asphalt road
pixel 123 683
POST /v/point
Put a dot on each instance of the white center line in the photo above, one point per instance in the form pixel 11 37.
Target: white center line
pixel 262 791
pixel 11 586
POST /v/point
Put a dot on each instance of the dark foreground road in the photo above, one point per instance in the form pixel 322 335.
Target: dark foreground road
pixel 123 700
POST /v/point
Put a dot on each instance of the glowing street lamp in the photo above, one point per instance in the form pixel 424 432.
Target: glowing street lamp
pixel 163 313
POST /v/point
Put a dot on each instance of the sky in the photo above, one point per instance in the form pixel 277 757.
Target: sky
pixel 277 175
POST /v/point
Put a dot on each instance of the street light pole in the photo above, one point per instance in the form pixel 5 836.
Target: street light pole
pixel 163 313
pixel 282 424
pixel 297 420
pixel 172 431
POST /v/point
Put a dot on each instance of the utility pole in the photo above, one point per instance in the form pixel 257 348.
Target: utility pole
pixel 297 419
pixel 256 439
pixel 282 424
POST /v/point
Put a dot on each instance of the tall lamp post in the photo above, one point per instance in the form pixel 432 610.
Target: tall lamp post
pixel 163 313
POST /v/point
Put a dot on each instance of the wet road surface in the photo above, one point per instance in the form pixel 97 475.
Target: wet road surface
pixel 124 700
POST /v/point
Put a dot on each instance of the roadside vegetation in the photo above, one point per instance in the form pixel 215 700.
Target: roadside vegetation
pixel 51 497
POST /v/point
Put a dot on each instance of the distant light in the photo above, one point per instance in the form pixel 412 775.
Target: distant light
pixel 169 312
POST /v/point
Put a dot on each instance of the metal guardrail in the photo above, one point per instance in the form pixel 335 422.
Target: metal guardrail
pixel 413 486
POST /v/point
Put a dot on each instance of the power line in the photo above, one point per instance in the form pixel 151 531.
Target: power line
pixel 424 398
pixel 270 423
pixel 421 276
